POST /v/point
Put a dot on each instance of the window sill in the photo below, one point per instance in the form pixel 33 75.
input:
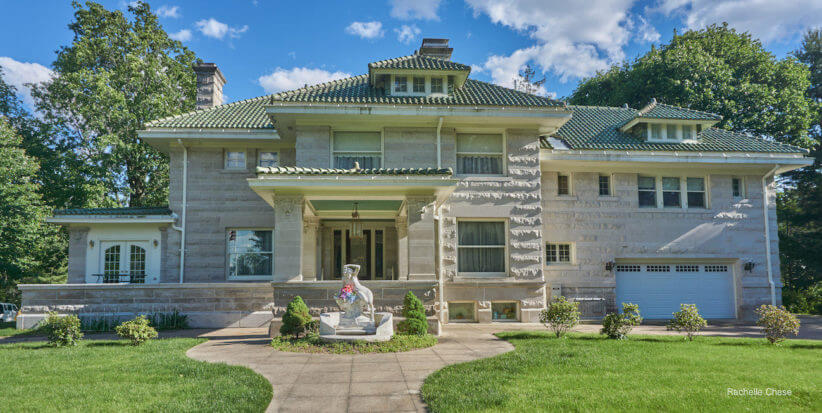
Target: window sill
pixel 560 267
pixel 480 275
pixel 480 177
pixel 608 198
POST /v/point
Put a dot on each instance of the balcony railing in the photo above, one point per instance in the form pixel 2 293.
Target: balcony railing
pixel 120 278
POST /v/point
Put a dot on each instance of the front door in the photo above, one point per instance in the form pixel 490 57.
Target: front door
pixel 120 259
pixel 367 251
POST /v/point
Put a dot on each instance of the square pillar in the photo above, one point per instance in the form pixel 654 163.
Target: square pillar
pixel 288 238
pixel 311 225
pixel 402 247
pixel 421 240
pixel 78 246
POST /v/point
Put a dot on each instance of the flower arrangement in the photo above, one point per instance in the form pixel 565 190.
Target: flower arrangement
pixel 346 295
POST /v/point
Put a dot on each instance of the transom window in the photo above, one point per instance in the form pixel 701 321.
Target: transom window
pixel 557 253
pixel 400 84
pixel 604 185
pixel 268 159
pixel 234 160
pixel 364 148
pixel 479 154
pixel 481 248
pixel 250 253
pixel 671 192
pixel 419 84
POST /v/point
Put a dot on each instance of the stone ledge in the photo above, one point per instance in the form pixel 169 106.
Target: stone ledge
pixel 31 287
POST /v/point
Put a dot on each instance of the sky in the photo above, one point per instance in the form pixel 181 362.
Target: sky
pixel 266 46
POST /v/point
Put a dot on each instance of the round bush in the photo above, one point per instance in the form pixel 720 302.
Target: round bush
pixel 137 330
pixel 296 318
pixel 62 330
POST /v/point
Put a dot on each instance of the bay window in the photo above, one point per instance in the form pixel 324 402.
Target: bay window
pixel 479 154
pixel 362 147
pixel 481 248
pixel 250 254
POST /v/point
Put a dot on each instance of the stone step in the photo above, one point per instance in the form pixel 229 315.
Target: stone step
pixel 351 331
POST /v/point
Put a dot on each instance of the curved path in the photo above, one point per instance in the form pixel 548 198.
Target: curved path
pixel 347 383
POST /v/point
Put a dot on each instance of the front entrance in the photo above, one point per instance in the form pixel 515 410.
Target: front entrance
pixel 372 251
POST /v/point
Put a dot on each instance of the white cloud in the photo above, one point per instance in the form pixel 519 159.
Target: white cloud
pixel 18 74
pixel 183 35
pixel 288 79
pixel 766 19
pixel 571 39
pixel 218 30
pixel 415 9
pixel 172 12
pixel 646 31
pixel 366 30
pixel 406 34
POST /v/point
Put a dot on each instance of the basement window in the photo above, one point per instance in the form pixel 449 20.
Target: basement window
pixel 504 311
pixel 461 311
pixel 558 253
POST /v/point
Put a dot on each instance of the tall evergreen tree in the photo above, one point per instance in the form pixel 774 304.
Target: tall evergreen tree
pixel 117 74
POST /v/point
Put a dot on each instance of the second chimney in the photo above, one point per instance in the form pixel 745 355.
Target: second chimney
pixel 435 48
pixel 210 83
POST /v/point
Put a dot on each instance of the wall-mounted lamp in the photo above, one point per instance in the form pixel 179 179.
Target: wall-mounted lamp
pixel 156 243
pixel 609 266
pixel 91 244
pixel 749 266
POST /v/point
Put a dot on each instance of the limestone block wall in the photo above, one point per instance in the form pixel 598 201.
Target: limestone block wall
pixel 604 229
pixel 206 305
pixel 313 147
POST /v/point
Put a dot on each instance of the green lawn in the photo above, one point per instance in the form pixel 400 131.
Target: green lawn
pixel 114 376
pixel 588 372
pixel 9 329
pixel 313 344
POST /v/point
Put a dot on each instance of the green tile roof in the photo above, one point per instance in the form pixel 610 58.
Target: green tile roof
pixel 243 114
pixel 419 62
pixel 358 90
pixel 162 210
pixel 656 110
pixel 597 128
pixel 329 171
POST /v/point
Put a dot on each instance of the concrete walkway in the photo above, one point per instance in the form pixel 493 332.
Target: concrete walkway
pixel 345 383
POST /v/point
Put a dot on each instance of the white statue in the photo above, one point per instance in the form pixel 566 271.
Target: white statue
pixel 350 272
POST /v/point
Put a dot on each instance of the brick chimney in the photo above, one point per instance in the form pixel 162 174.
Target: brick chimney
pixel 435 48
pixel 210 83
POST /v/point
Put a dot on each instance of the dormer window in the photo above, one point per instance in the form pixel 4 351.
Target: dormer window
pixel 400 84
pixel 670 132
pixel 419 84
pixel 436 85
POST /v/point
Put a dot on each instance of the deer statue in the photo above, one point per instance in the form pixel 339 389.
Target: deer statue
pixel 363 293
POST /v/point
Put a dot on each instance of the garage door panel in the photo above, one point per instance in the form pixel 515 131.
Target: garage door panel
pixel 659 293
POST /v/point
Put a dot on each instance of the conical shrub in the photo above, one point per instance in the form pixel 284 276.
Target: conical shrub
pixel 415 322
pixel 295 318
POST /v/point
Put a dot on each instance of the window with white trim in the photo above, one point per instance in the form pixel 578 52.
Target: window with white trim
pixel 364 148
pixel 419 84
pixel 604 185
pixel 436 85
pixel 737 187
pixel 563 184
pixel 646 186
pixel 250 253
pixel 557 253
pixel 671 132
pixel 479 154
pixel 696 192
pixel 234 159
pixel 268 159
pixel 400 84
pixel 481 247
pixel 671 194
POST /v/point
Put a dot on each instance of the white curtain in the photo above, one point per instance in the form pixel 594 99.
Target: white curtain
pixel 481 247
pixel 479 164
pixel 347 161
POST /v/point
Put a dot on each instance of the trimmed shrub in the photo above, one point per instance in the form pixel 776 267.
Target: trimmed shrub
pixel 777 322
pixel 617 326
pixel 415 322
pixel 296 318
pixel 137 330
pixel 62 330
pixel 687 319
pixel 560 316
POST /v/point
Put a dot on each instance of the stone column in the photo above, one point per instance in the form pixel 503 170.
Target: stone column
pixel 310 226
pixel 288 235
pixel 402 248
pixel 78 244
pixel 421 265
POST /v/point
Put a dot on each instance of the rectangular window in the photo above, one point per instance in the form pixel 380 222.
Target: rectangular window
pixel 461 311
pixel 481 247
pixel 268 159
pixel 419 84
pixel 688 132
pixel 250 253
pixel 656 131
pixel 400 84
pixel 364 148
pixel 696 192
pixel 479 154
pixel 558 253
pixel 646 185
pixel 736 187
pixel 604 185
pixel 671 195
pixel 436 85
pixel 235 160
pixel 504 311
pixel 563 185
pixel 671 132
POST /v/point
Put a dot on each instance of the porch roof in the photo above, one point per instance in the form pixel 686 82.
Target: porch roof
pixel 331 171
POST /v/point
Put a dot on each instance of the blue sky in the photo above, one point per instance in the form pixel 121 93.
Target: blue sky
pixel 265 46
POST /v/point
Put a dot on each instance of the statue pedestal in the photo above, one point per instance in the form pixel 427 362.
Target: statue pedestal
pixel 335 327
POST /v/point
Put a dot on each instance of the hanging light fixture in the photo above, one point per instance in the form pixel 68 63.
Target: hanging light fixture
pixel 356 224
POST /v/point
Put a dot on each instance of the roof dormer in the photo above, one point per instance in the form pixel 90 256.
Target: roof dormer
pixel 428 72
pixel 660 123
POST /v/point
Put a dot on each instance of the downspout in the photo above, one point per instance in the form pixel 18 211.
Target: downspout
pixel 768 233
pixel 439 143
pixel 441 277
pixel 182 227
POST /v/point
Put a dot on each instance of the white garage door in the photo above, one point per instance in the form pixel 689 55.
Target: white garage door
pixel 659 289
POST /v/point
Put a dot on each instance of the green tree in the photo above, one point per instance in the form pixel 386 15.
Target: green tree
pixel 415 322
pixel 717 70
pixel 117 74
pixel 526 80
pixel 27 252
pixel 296 318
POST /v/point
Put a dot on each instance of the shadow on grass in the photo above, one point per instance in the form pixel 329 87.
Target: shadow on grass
pixel 120 343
